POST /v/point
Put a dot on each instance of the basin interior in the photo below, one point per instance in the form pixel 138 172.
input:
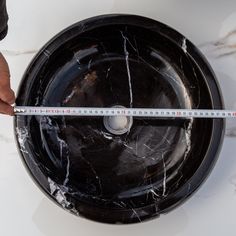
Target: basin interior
pixel 77 158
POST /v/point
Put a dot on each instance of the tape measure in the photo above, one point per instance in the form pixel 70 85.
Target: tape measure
pixel 121 111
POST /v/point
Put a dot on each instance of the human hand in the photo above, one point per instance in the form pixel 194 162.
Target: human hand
pixel 7 96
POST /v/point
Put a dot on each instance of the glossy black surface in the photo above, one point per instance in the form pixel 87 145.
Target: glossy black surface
pixel 134 62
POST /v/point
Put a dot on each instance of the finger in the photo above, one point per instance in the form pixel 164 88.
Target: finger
pixel 4 72
pixel 3 63
pixel 6 108
pixel 7 95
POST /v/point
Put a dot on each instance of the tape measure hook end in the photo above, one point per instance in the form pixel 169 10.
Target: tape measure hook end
pixel 18 110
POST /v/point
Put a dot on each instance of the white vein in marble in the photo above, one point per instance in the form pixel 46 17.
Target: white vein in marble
pixel 59 192
pixel 128 68
pixel 22 136
pixel 184 45
pixel 188 132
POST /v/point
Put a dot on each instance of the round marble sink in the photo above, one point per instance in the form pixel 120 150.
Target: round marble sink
pixel 140 172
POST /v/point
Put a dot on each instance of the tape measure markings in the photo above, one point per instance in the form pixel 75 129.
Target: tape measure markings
pixel 116 111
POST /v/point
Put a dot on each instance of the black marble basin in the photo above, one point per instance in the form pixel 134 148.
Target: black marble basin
pixel 119 60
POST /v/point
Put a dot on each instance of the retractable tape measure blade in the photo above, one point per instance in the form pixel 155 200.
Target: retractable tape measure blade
pixel 117 111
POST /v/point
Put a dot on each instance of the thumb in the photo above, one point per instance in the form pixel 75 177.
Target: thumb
pixel 7 95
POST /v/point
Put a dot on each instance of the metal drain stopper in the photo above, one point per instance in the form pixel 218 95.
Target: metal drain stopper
pixel 119 124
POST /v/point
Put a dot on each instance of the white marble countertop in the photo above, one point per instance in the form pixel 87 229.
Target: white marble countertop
pixel 211 25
